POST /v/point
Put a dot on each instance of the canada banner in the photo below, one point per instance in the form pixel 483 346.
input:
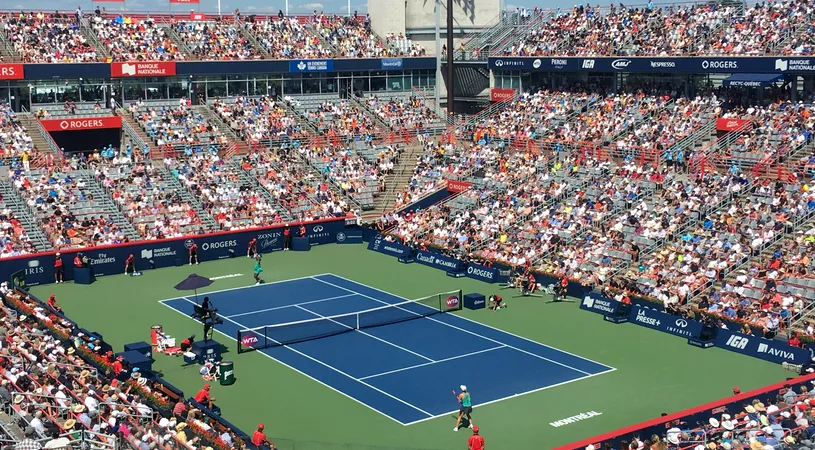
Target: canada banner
pixel 723 124
pixel 11 71
pixel 92 123
pixel 143 69
pixel 501 94
pixel 456 186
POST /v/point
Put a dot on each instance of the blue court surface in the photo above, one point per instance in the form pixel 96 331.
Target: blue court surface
pixel 406 370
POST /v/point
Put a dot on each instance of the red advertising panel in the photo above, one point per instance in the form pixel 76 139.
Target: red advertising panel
pixel 501 94
pixel 11 71
pixel 75 124
pixel 456 186
pixel 730 124
pixel 143 69
pixel 196 16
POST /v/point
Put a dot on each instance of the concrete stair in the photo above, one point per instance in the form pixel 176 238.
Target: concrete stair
pixel 396 182
pixel 32 125
pixel 155 152
pixel 240 146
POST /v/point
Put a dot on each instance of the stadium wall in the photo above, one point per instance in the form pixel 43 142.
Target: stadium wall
pixel 688 418
pixel 109 260
pixel 696 65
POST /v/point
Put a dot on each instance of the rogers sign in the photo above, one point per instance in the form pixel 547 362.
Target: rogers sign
pixel 11 71
pixel 92 123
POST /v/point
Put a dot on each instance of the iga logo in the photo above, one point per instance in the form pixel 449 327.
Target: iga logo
pixel 620 64
pixel 738 342
pixel 452 301
pixel 588 64
pixel 250 340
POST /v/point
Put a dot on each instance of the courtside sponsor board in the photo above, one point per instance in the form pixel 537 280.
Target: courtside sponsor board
pixel 482 273
pixel 757 347
pixel 379 244
pixel 599 304
pixel 438 261
pixel 11 71
pixel 576 418
pixel 143 69
pixel 651 318
pixel 456 186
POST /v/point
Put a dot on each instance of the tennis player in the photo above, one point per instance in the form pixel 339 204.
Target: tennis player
pixel 466 407
pixel 258 270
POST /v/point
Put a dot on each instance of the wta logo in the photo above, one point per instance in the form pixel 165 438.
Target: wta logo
pixel 250 340
pixel 452 301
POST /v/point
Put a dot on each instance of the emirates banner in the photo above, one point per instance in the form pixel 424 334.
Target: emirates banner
pixel 92 123
pixel 143 69
pixel 731 124
pixel 456 186
pixel 11 71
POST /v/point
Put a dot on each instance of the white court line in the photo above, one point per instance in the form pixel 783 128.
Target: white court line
pixel 475 322
pixel 290 306
pixel 467 331
pixel 293 368
pixel 369 335
pixel 434 362
pixel 251 286
pixel 242 326
pixel 514 396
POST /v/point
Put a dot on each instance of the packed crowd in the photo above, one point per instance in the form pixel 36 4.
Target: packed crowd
pixel 14 138
pixel 404 113
pixel 710 29
pixel 62 385
pixel 287 38
pixel 176 125
pixel 258 119
pixel 127 39
pixel 341 118
pixel 351 38
pixel 42 38
pixel 216 41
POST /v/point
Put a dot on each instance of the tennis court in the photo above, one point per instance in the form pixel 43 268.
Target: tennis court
pixel 404 369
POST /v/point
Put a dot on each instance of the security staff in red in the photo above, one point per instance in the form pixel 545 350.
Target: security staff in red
pixel 302 230
pixel 476 442
pixel 78 260
pixel 52 302
pixel 59 270
pixel 194 253
pixel 286 238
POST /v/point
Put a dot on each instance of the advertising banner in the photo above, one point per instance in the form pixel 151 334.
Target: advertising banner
pixel 392 64
pixel 757 347
pixel 456 186
pixel 91 123
pixel 599 304
pixel 658 64
pixel 438 261
pixel 39 268
pixel 379 244
pixel 143 69
pixel 501 94
pixel 723 124
pixel 651 318
pixel 314 65
pixel 11 71
pixel 537 64
pixel 482 273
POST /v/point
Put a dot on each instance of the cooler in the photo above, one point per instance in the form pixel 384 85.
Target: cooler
pixel 142 347
pixel 300 244
pixel 475 301
pixel 226 373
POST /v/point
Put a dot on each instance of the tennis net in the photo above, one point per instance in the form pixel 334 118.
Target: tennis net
pixel 320 327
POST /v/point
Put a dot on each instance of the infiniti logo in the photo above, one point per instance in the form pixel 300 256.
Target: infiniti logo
pixel 318 228
pixel 681 323
pixel 499 63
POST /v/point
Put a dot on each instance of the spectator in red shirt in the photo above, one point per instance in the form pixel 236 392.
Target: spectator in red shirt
pixel 259 438
pixel 59 270
pixel 476 442
pixel 180 408
pixel 52 302
pixel 117 366
pixel 793 341
pixel 204 398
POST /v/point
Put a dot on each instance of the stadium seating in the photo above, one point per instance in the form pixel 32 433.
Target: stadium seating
pixel 43 38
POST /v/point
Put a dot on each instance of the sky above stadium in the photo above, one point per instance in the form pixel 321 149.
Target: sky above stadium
pixel 247 6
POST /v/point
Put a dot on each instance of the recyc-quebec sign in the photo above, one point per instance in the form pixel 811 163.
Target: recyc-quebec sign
pixel 90 123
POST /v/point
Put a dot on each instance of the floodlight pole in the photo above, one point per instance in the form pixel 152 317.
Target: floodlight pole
pixel 439 78
pixel 450 51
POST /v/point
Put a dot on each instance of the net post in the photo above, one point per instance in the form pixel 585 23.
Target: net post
pixel 358 321
pixel 265 337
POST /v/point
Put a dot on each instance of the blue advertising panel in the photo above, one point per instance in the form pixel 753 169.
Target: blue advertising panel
pixel 651 318
pixel 39 268
pixel 438 261
pixel 312 65
pixel 659 64
pixel 482 273
pixel 757 347
pixel 379 244
pixel 392 64
pixel 599 304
